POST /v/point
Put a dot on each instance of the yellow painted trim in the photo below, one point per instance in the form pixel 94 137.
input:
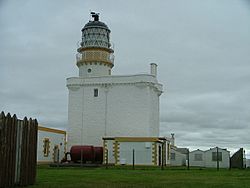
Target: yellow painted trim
pixel 93 56
pixel 81 49
pixel 137 139
pixel 46 149
pixel 108 138
pixel 105 151
pixel 46 129
pixel 158 139
pixel 116 152
pixel 154 154
pixel 164 153
pixel 86 62
pixel 44 162
pixel 65 144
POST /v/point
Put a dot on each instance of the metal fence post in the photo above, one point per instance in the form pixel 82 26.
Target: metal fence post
pixel 162 158
pixel 81 157
pixel 107 157
pixel 217 153
pixel 133 159
pixel 58 153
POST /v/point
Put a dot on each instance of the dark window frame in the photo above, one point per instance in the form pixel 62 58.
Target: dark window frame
pixel 214 156
pixel 46 147
pixel 198 157
pixel 96 92
pixel 172 156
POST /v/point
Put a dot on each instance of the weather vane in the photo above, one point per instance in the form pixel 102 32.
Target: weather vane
pixel 95 16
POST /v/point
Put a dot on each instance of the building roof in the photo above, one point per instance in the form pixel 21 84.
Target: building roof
pixel 214 148
pixel 211 149
pixel 197 151
pixel 52 130
pixel 136 139
pixel 182 150
pixel 92 24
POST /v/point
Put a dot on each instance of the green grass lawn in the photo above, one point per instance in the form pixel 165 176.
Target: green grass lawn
pixel 140 177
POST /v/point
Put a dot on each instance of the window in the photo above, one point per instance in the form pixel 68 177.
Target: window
pixel 56 153
pixel 95 92
pixel 46 145
pixel 172 156
pixel 214 156
pixel 89 70
pixel 147 145
pixel 198 157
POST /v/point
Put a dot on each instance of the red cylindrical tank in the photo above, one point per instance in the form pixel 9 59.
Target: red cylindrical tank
pixel 87 152
pixel 98 154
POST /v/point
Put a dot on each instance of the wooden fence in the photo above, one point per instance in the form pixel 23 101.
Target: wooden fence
pixel 18 150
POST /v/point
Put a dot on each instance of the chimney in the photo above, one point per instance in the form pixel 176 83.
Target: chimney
pixel 153 69
pixel 172 139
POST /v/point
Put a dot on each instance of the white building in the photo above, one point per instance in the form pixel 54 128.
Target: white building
pixel 103 105
pixel 141 150
pixel 51 144
pixel 247 163
pixel 209 158
pixel 177 157
pixel 197 158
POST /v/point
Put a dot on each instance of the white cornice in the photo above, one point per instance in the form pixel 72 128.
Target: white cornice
pixel 139 80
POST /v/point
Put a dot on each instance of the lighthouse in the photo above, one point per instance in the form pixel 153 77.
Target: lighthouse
pixel 95 55
pixel 103 105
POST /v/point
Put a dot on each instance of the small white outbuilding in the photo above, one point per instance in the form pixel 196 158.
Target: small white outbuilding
pixel 197 158
pixel 144 150
pixel 177 157
pixel 247 163
pixel 51 144
pixel 209 158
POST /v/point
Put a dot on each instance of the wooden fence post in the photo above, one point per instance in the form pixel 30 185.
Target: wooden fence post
pixel 2 148
pixel 18 150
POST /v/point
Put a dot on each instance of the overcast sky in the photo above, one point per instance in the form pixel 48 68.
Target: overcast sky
pixel 202 49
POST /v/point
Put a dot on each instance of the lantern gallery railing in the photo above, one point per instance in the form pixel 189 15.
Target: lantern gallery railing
pixel 93 55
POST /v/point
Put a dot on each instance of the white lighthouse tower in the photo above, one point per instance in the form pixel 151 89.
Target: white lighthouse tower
pixel 104 105
pixel 95 57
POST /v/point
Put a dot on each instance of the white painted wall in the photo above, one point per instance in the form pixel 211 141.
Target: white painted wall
pixel 193 162
pixel 180 159
pixel 207 158
pixel 55 139
pixel 168 151
pixel 126 106
pixel 97 69
pixel 143 152
pixel 247 163
pixel 111 157
pixel 225 163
